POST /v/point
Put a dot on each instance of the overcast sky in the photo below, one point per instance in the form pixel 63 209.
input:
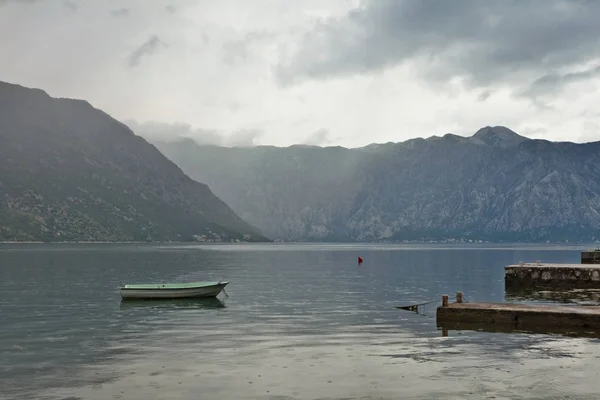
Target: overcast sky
pixel 324 72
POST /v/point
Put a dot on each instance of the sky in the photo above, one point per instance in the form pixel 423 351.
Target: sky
pixel 321 72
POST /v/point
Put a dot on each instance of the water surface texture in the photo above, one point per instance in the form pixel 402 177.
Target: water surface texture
pixel 302 321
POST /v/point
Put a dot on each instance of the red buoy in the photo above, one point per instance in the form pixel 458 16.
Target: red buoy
pixel 360 260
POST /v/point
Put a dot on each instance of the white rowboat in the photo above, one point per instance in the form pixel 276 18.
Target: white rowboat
pixel 172 290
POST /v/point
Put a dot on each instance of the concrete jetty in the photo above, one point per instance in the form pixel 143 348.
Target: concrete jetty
pixel 515 316
pixel 590 257
pixel 447 327
pixel 545 275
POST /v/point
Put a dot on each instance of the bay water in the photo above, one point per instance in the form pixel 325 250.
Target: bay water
pixel 301 321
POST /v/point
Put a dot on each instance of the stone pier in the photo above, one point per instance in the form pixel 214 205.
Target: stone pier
pixel 590 257
pixel 518 317
pixel 552 276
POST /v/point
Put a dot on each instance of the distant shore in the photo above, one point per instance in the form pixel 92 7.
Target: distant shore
pixel 107 242
pixel 416 242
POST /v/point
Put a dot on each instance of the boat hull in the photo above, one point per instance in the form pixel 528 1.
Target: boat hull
pixel 172 293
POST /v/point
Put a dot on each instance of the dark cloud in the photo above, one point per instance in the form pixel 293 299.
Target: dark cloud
pixel 149 47
pixel 482 42
pixel 121 12
pixel 71 5
pixel 549 83
pixel 171 8
pixel 483 96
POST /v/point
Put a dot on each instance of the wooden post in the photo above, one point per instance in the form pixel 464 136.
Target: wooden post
pixel 445 300
pixel 459 297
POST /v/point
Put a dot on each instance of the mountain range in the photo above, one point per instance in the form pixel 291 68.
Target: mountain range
pixel 70 172
pixel 493 186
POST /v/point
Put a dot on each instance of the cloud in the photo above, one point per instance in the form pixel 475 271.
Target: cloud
pixel 149 47
pixel 483 96
pixel 319 137
pixel 238 50
pixel 244 137
pixel 71 5
pixel 120 12
pixel 553 82
pixel 234 52
pixel 2 2
pixel 589 132
pixel 160 131
pixel 534 133
pixel 483 43
pixel 386 70
pixel 166 132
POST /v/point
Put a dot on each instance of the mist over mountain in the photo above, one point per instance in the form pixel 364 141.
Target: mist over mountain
pixel 70 172
pixel 495 185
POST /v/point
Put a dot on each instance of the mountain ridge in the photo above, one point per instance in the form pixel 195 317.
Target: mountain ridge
pixel 495 185
pixel 71 172
pixel 485 132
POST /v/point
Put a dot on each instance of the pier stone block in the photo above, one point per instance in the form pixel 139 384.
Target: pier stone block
pixel 559 276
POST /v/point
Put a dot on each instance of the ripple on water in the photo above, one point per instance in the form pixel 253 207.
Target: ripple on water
pixel 302 324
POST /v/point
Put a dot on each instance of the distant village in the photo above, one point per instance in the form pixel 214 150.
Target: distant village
pixel 212 237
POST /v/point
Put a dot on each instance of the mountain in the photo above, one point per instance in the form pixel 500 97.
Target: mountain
pixel 495 185
pixel 70 172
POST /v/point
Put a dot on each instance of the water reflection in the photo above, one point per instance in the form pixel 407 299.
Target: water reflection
pixel 573 296
pixel 200 303
pixel 460 327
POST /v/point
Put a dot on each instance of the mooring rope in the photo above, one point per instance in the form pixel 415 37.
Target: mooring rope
pixel 415 307
pixel 466 299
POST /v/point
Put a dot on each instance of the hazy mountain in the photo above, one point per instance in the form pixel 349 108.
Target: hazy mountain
pixel 71 172
pixel 495 185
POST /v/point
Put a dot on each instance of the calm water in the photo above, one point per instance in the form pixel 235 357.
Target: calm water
pixel 301 322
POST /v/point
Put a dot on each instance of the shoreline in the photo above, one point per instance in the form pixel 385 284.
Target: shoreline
pixel 589 245
pixel 115 242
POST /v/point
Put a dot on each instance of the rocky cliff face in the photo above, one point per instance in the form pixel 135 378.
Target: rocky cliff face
pixel 495 185
pixel 71 172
